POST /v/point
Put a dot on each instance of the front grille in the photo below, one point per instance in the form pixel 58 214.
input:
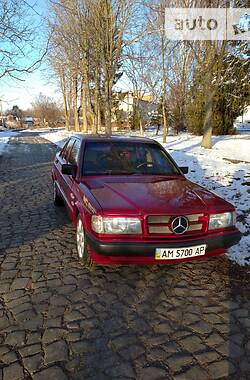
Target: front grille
pixel 161 224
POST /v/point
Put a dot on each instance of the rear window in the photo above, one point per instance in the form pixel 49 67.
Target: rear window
pixel 126 158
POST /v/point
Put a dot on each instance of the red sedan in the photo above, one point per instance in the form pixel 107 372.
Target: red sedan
pixel 132 204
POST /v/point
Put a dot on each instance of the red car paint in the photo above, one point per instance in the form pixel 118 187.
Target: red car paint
pixel 140 196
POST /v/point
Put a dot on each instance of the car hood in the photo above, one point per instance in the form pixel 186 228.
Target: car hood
pixel 153 194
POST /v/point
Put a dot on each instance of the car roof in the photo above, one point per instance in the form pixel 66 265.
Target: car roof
pixel 105 138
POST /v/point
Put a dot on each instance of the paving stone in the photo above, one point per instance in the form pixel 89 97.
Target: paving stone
pixel 73 316
pixel 122 341
pixel 82 346
pixel 207 357
pixel 3 350
pixel 201 327
pixel 157 340
pixel 4 323
pixel 192 343
pixel 73 364
pixel 73 336
pixel 245 322
pixel 56 352
pixel 153 373
pixel 54 322
pixel 33 363
pixel 157 354
pixel 240 313
pixel 21 308
pixel 132 352
pixel 16 338
pixel 18 301
pixel 221 369
pixel 214 339
pixel 179 360
pixel 19 283
pixel 13 372
pixel 212 318
pixel 51 335
pixel 163 328
pixel 235 351
pixel 9 357
pixel 33 338
pixel 30 350
pixel 248 345
pixel 51 373
pixel 245 365
pixel 123 369
pixel 194 373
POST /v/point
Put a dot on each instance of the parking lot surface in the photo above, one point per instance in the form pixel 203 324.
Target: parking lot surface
pixel 60 321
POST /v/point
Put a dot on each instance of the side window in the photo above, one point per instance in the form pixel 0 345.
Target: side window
pixel 64 149
pixel 68 149
pixel 73 157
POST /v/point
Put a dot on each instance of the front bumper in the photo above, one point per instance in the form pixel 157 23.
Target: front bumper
pixel 144 252
pixel 221 240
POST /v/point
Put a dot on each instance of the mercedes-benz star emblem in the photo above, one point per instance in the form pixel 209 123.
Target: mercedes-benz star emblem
pixel 179 225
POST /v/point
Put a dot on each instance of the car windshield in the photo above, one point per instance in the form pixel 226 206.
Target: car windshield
pixel 115 158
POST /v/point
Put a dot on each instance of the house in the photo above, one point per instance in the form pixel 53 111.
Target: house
pixel 127 101
pixel 245 117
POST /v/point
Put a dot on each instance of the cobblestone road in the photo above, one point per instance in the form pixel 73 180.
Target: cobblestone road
pixel 60 321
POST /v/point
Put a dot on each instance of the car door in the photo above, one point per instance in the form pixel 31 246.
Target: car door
pixel 57 168
pixel 69 181
pixel 62 158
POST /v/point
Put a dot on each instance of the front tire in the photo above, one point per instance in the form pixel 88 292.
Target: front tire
pixel 82 246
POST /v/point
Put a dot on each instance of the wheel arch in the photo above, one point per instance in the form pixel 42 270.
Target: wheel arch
pixel 79 210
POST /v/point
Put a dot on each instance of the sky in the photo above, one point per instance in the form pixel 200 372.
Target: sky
pixel 22 93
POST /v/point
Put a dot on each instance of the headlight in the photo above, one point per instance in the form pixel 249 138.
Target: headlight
pixel 224 220
pixel 116 225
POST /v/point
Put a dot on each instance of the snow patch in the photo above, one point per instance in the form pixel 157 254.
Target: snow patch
pixel 5 136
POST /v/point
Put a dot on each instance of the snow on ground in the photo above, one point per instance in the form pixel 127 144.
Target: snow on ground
pixel 225 169
pixel 57 136
pixel 5 136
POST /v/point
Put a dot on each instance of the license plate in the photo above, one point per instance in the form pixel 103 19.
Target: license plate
pixel 179 253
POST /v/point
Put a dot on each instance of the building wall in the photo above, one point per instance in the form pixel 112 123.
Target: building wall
pixel 245 117
pixel 126 105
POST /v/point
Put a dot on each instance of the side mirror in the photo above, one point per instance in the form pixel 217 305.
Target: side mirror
pixel 69 169
pixel 184 169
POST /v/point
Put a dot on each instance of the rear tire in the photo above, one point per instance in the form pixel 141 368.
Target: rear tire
pixel 58 201
pixel 82 245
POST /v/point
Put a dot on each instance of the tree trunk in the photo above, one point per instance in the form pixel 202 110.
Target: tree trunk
pixel 207 126
pixel 108 106
pixel 164 79
pixel 165 124
pixel 66 113
pixel 97 101
pixel 141 126
pixel 84 106
pixel 210 89
pixel 76 116
pixel 65 103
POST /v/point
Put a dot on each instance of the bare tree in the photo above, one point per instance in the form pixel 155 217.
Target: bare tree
pixel 17 38
pixel 46 109
pixel 92 36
